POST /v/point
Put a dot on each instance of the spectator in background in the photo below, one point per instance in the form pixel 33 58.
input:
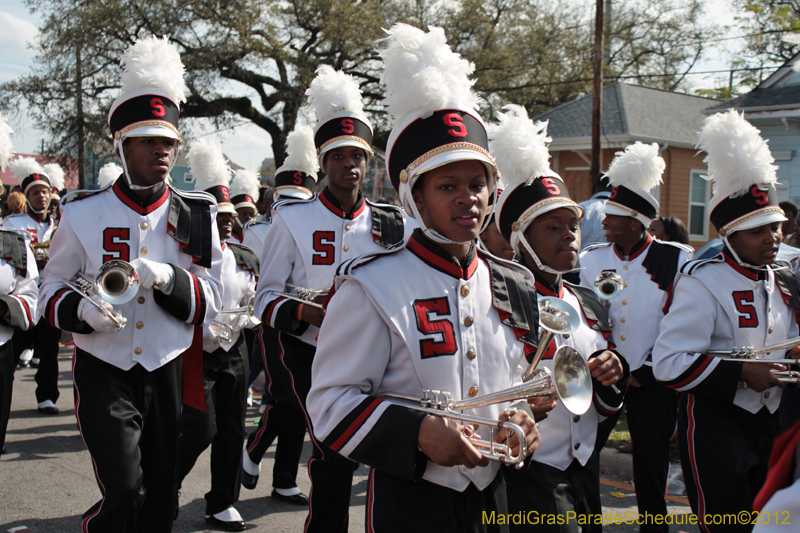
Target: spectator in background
pixel 669 228
pixel 16 203
pixel 790 212
pixel 4 210
pixel 592 222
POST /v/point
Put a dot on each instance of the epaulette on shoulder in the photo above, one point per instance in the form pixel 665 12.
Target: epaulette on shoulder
pixel 245 256
pixel 194 195
pixel 82 194
pixel 292 201
pixel 690 266
pixel 595 246
pixel 347 267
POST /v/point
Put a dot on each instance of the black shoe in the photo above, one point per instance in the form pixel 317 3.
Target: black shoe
pixel 34 363
pixel 295 499
pixel 249 481
pixel 49 410
pixel 24 364
pixel 233 525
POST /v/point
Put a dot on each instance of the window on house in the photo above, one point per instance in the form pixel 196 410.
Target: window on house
pixel 698 202
pixel 188 178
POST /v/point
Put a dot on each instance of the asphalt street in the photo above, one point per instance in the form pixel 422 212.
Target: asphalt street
pixel 46 479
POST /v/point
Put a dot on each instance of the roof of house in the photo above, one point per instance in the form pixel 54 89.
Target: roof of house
pixel 70 177
pixel 639 113
pixel 780 91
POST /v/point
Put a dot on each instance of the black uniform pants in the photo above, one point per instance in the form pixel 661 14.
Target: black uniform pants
pixel 7 366
pixel 541 491
pixel 129 422
pixel 331 474
pixel 283 416
pixel 724 453
pixel 44 339
pixel 395 504
pixel 222 426
pixel 652 410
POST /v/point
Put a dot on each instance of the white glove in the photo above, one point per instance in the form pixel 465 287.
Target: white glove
pixel 153 275
pixel 96 319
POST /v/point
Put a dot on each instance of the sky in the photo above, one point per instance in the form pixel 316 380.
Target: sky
pixel 245 145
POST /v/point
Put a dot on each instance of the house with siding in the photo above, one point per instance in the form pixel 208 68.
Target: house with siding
pixel 632 113
pixel 774 108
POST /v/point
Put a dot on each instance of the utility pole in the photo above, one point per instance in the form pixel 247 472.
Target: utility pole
pixel 79 117
pixel 597 100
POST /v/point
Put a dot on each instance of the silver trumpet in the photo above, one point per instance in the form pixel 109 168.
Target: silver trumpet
pixel 608 285
pixel 116 282
pixel 555 316
pixel 248 310
pixel 304 295
pixel 747 354
pixel 221 330
pixel 570 380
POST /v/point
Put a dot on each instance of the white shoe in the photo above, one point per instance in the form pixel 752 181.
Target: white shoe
pixel 262 408
pixel 250 397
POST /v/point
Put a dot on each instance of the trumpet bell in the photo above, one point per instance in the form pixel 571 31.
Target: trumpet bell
pixel 608 285
pixel 116 282
pixel 557 316
pixel 572 380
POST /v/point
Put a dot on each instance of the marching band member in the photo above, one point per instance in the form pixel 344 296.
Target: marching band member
pixel 648 268
pixel 283 416
pixel 739 298
pixel 435 314
pixel 536 215
pixel 308 239
pixel 128 382
pixel 244 193
pixel 226 361
pixel 36 220
pixel 491 239
pixel 56 175
pixel 19 293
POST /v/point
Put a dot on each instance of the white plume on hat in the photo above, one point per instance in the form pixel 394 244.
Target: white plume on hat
pixel 638 166
pixel 245 182
pixel 6 146
pixel 208 165
pixel 56 175
pixel 519 147
pixel 108 174
pixel 332 91
pixel 422 74
pixel 23 167
pixel 737 156
pixel 154 62
pixel 301 154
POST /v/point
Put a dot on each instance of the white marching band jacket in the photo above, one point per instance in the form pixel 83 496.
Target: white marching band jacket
pixel 18 283
pixel 238 277
pixel 29 222
pixel 648 275
pixel 719 305
pixel 175 227
pixel 254 234
pixel 410 320
pixel 307 241
pixel 565 436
